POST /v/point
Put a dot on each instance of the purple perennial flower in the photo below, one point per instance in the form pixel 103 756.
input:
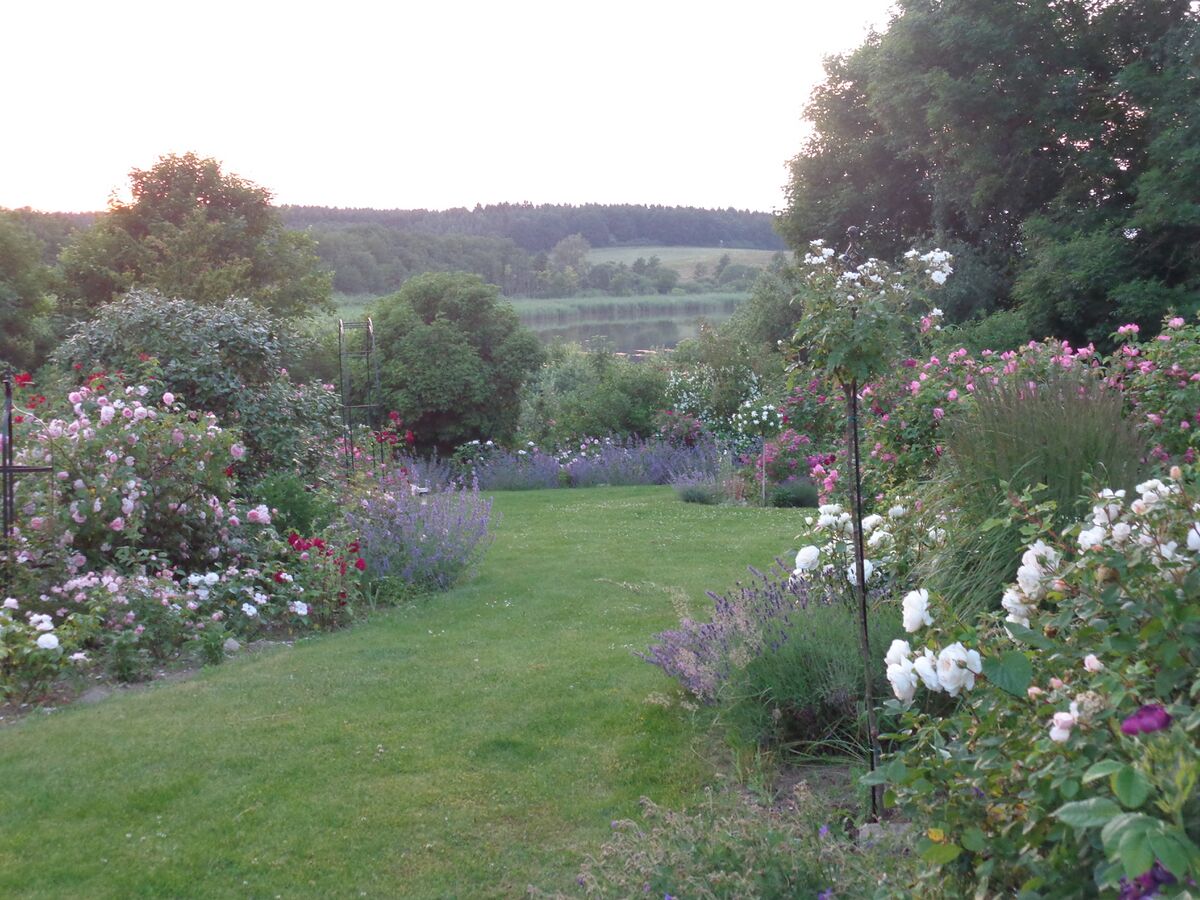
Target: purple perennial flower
pixel 1149 718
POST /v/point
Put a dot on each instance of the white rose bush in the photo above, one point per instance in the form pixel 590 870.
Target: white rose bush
pixel 1049 749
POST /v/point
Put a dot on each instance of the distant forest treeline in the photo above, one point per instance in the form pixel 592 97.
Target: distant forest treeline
pixel 538 228
pixel 374 251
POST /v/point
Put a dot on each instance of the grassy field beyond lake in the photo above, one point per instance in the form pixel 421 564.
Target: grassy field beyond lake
pixel 466 746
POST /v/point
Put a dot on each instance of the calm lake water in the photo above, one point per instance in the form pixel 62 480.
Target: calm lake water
pixel 626 337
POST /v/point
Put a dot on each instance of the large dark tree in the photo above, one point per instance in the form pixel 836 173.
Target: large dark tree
pixel 26 334
pixel 453 357
pixel 195 232
pixel 1037 140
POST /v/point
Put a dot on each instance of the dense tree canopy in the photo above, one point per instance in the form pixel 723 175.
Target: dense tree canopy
pixel 453 358
pixel 195 232
pixel 537 228
pixel 1052 146
pixel 25 303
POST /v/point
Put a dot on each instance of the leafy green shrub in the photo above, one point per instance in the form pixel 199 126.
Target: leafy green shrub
pixel 579 393
pixel 1060 433
pixel 224 360
pixel 1000 330
pixel 1069 764
pixel 796 492
pixel 452 359
pixel 297 506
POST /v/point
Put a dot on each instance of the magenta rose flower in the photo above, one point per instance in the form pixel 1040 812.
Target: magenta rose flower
pixel 1149 718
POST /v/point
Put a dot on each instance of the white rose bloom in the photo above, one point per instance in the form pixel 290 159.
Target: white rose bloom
pixel 808 558
pixel 870 523
pixel 830 509
pixel 1041 555
pixel 1193 538
pixel 852 572
pixel 897 511
pixel 937 535
pixel 957 667
pixel 211 578
pixel 298 607
pixel 47 641
pixel 925 666
pixel 826 520
pixel 903 680
pixel 250 610
pixel 916 610
pixel 1092 537
pixel 1122 530
pixel 878 539
pixel 1016 605
pixel 1029 580
pixel 897 652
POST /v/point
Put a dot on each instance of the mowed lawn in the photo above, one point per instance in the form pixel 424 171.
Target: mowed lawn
pixel 466 746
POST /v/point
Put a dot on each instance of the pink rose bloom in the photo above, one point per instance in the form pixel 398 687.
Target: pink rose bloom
pixel 1176 322
pixel 1092 663
pixel 237 451
pixel 117 524
pixel 938 412
pixel 260 515
pixel 168 398
pixel 953 394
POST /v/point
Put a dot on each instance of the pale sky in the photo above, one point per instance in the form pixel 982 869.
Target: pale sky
pixel 419 104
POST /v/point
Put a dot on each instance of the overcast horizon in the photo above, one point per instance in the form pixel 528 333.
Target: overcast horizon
pixel 671 104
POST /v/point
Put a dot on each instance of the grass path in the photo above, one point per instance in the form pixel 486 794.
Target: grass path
pixel 466 746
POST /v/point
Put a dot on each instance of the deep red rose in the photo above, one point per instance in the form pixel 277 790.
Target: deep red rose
pixel 360 564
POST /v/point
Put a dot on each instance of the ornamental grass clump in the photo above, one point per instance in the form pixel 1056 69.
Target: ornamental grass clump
pixel 422 537
pixel 1061 433
pixel 779 655
pixel 730 847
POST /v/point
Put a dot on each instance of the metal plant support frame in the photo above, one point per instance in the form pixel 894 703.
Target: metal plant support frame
pixel 8 475
pixel 365 412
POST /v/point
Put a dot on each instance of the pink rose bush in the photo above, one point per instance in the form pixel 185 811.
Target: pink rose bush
pixel 133 548
pixel 129 472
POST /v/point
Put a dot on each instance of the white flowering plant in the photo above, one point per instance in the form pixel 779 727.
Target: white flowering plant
pixel 1068 765
pixel 857 320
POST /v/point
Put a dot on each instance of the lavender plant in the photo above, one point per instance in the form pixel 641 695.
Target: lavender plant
pixel 590 462
pixel 778 654
pixel 420 536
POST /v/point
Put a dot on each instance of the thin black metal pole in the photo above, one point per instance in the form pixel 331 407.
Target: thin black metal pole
pixel 860 586
pixel 6 466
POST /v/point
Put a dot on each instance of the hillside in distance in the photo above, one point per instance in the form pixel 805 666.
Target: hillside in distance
pixel 538 228
pixel 374 251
